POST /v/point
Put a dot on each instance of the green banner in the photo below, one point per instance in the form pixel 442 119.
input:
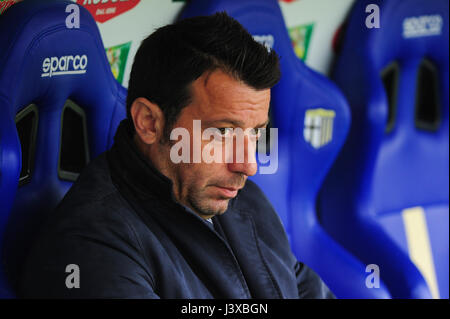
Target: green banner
pixel 117 57
pixel 300 38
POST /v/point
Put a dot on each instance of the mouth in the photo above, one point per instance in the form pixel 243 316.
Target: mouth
pixel 229 192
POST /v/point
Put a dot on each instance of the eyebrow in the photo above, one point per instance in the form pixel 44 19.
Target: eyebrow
pixel 233 123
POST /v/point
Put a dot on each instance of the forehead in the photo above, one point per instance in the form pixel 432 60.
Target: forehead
pixel 217 96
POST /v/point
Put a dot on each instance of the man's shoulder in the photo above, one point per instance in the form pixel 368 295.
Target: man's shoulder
pixel 93 227
pixel 93 185
pixel 92 204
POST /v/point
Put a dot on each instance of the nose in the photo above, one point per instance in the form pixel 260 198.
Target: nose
pixel 246 165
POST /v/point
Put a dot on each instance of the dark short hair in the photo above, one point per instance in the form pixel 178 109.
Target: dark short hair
pixel 174 56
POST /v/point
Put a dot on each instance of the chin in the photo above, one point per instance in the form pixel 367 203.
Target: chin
pixel 215 207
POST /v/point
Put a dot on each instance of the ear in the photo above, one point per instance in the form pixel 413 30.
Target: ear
pixel 148 120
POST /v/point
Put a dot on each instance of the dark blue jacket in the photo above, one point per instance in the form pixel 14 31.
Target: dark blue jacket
pixel 120 225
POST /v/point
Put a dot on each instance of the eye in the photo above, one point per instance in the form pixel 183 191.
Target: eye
pixel 259 132
pixel 256 133
pixel 225 131
pixel 222 133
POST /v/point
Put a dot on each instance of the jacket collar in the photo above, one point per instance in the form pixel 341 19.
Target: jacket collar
pixel 135 168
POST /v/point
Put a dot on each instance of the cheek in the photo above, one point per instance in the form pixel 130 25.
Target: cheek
pixel 192 177
pixel 199 175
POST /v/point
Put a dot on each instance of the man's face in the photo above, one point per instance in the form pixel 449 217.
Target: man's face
pixel 221 102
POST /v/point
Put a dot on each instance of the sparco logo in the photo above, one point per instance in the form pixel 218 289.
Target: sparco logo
pixel 422 26
pixel 68 64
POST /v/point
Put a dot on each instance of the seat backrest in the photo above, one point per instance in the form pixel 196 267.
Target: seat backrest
pixel 59 108
pixel 312 119
pixel 386 198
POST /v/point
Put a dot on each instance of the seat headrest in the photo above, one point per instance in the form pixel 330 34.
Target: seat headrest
pixel 46 62
pixel 396 80
pixel 406 30
pixel 43 60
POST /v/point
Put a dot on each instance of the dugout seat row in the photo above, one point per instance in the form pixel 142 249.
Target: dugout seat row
pixel 59 108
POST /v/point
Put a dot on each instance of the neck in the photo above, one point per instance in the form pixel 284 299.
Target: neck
pixel 154 153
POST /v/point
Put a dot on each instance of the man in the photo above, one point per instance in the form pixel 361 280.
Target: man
pixel 139 224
